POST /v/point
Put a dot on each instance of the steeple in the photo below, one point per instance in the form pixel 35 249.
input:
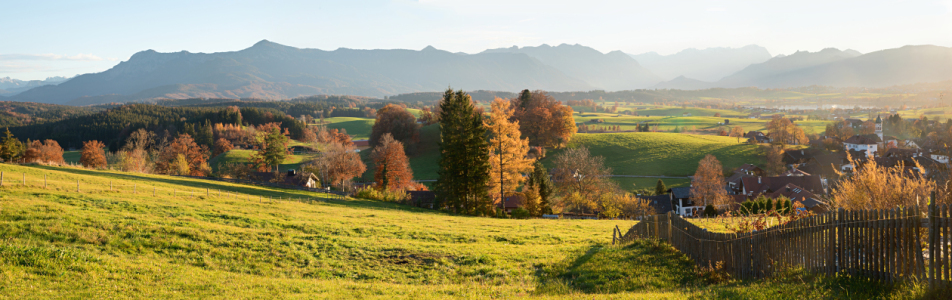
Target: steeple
pixel 879 127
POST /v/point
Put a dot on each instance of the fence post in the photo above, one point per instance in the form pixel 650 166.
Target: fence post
pixel 933 237
pixel 207 194
pixel 1 178
pixel 24 179
pixel 135 188
pixel 44 180
pixel 614 234
pixel 153 191
pixel 77 185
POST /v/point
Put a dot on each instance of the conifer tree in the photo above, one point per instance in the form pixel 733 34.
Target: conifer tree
pixel 539 180
pixel 507 150
pixel 660 189
pixel 11 148
pixel 464 160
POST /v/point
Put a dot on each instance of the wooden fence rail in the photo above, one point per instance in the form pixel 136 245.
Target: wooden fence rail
pixel 884 245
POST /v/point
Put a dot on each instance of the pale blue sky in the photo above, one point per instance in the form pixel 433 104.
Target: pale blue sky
pixel 64 38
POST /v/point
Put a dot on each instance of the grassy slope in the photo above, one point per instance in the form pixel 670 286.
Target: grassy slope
pixel 669 154
pixel 357 128
pixel 115 244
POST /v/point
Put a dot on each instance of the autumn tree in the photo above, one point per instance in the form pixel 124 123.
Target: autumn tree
pixel 93 155
pixel 545 121
pixel 193 160
pixel 48 151
pixel 540 182
pixel 707 186
pixel 396 121
pixel 774 159
pixel 507 150
pixel 222 146
pixel 783 132
pixel 392 168
pixel 737 132
pixel 462 185
pixel 578 172
pixel 339 164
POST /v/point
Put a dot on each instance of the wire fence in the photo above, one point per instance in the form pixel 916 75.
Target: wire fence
pixel 8 179
pixel 884 245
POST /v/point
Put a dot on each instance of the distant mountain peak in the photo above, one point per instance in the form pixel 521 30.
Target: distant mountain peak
pixel 429 48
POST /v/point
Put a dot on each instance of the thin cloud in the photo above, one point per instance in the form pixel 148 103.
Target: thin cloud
pixel 78 57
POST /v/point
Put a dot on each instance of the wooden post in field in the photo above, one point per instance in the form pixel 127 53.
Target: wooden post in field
pixel 24 179
pixel 207 194
pixel 44 181
pixel 110 185
pixel 153 191
pixel 932 242
pixel 1 178
pixel 77 185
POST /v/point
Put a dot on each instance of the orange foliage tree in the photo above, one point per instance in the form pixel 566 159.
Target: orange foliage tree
pixel 545 121
pixel 392 166
pixel 93 155
pixel 340 163
pixel 507 150
pixel 183 157
pixel 396 121
pixel 48 151
pixel 707 187
pixel 221 146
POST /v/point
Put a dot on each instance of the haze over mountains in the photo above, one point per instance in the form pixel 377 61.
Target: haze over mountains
pixel 9 86
pixel 709 64
pixel 269 70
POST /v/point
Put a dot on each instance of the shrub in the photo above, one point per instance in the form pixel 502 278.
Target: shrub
pixel 710 211
pixel 397 196
pixel 520 213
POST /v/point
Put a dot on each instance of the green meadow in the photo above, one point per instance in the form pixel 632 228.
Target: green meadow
pixel 114 239
pixel 667 154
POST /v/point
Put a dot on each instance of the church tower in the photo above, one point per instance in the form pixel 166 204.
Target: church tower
pixel 879 128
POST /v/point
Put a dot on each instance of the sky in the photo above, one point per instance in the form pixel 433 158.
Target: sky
pixel 40 39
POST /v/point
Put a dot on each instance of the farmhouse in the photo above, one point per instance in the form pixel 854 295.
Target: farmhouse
pixel 754 186
pixel 292 177
pixel 868 143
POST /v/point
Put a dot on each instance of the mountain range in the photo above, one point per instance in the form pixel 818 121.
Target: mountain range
pixel 11 86
pixel 838 68
pixel 269 70
pixel 709 64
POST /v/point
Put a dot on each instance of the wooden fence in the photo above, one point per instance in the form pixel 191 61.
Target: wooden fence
pixel 884 245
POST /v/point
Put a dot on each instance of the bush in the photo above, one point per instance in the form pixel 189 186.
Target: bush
pixel 710 211
pixel 520 213
pixel 397 196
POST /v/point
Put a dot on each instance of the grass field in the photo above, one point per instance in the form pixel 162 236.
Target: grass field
pixel 99 243
pixel 668 154
pixel 357 128
pixel 709 125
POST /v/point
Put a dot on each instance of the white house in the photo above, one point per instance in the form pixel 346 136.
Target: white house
pixel 868 143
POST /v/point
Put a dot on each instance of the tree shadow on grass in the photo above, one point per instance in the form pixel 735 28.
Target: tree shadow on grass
pixel 251 190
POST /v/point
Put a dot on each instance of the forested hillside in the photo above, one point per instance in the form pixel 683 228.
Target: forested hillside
pixel 22 113
pixel 114 125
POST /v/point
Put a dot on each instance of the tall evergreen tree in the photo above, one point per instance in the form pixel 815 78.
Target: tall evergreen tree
pixel 11 148
pixel 660 189
pixel 539 180
pixel 464 167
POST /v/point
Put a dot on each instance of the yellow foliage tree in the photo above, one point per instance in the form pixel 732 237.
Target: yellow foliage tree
pixel 507 150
